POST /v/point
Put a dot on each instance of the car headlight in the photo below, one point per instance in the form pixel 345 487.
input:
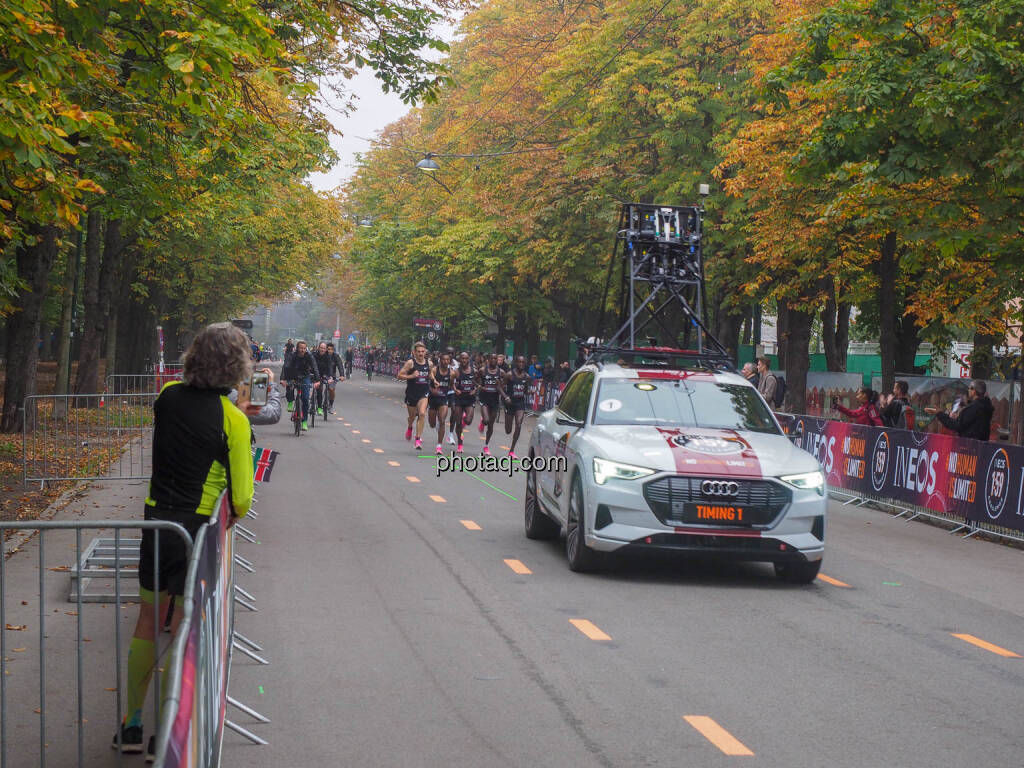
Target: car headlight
pixel 807 481
pixel 604 469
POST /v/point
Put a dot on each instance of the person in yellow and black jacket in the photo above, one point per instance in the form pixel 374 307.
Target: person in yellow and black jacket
pixel 201 445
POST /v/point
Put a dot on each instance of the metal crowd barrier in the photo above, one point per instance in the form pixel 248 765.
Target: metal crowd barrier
pixel 133 383
pixel 87 437
pixel 83 666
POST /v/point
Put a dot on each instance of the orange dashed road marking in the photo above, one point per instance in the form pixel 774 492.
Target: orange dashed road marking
pixel 356 432
pixel 589 629
pixel 717 735
pixel 438 499
pixel 394 464
pixel 365 440
pixel 471 525
pixel 833 582
pixel 518 567
pixel 412 479
pixel 986 645
pixel 378 450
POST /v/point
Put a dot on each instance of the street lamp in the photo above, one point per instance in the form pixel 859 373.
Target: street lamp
pixel 428 164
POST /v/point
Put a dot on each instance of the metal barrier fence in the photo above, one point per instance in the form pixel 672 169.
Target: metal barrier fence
pixel 138 382
pixel 90 670
pixel 87 437
pixel 977 486
pixel 192 729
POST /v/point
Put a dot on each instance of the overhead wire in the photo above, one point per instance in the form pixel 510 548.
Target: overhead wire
pixel 519 79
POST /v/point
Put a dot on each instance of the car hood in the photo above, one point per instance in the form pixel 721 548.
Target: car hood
pixel 693 450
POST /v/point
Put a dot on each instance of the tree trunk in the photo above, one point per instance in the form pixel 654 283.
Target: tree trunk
pixel 110 366
pixel 835 333
pixel 908 339
pixel 798 359
pixel 34 264
pixel 888 270
pixel 89 352
pixel 532 339
pixel 782 332
pixel 982 362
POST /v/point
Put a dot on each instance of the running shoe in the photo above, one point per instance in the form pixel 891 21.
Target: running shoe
pixel 291 407
pixel 481 427
pixel 451 438
pixel 305 426
pixel 486 451
pixel 151 750
pixel 319 411
pixel 512 455
pixel 465 419
pixel 131 739
pixel 408 434
pixel 459 449
pixel 419 443
pixel 439 450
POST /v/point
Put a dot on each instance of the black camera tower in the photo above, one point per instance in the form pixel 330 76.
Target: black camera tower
pixel 662 270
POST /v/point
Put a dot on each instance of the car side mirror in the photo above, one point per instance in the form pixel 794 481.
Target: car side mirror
pixel 565 421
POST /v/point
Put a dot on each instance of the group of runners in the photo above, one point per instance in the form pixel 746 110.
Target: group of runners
pixel 443 390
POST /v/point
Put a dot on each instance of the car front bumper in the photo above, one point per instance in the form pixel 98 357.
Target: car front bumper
pixel 618 517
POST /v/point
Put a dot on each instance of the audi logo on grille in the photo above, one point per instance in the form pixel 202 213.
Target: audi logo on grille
pixel 722 488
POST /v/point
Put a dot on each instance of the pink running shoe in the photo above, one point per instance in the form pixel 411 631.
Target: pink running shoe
pixel 486 451
pixel 419 443
pixel 459 449
pixel 512 455
pixel 439 450
pixel 408 434
pixel 481 427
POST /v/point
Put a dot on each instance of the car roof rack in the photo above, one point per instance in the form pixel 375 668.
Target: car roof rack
pixel 663 357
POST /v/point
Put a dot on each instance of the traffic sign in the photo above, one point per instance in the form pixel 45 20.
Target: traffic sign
pixel 352 338
pixel 337 334
pixel 431 336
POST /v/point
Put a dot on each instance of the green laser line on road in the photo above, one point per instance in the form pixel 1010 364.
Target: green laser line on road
pixel 496 488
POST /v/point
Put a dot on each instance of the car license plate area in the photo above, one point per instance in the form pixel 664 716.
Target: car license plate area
pixel 719 514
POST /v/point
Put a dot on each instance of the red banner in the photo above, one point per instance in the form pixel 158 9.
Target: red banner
pixel 982 482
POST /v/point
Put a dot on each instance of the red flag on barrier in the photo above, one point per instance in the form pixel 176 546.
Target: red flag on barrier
pixel 263 462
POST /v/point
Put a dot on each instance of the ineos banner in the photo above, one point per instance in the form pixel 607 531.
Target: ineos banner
pixel 982 482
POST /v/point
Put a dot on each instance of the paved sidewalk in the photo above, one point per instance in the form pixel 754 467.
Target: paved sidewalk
pixel 100 500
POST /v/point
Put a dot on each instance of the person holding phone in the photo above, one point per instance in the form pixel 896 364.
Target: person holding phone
pixel 260 412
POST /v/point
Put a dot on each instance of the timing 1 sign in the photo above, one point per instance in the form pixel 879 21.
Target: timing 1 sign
pixel 427 323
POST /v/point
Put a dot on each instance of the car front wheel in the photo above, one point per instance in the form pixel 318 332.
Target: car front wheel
pixel 581 557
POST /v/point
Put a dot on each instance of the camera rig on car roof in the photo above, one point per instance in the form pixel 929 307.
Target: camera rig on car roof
pixel 658 249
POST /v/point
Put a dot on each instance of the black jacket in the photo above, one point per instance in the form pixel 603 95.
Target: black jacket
pixel 327 363
pixel 973 420
pixel 892 414
pixel 301 366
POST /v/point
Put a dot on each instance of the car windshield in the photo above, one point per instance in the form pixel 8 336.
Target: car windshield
pixel 682 403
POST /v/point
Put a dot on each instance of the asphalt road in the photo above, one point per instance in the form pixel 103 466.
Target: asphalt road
pixel 409 622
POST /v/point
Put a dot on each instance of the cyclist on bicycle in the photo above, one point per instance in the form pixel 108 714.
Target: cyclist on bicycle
pixel 348 362
pixel 334 365
pixel 370 359
pixel 303 374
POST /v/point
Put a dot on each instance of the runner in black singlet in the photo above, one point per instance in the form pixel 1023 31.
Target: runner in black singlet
pixel 416 373
pixel 515 390
pixel 465 396
pixel 490 381
pixel 451 394
pixel 437 402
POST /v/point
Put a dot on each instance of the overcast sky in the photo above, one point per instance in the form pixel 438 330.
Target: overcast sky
pixel 374 110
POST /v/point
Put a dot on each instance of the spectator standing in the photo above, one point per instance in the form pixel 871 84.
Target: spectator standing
pixel 767 383
pixel 973 420
pixel 895 406
pixel 750 374
pixel 200 447
pixel 581 356
pixel 867 414
pixel 563 373
pixel 536 370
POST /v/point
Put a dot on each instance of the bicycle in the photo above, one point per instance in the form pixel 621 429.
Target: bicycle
pixel 322 398
pixel 348 369
pixel 369 371
pixel 297 413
